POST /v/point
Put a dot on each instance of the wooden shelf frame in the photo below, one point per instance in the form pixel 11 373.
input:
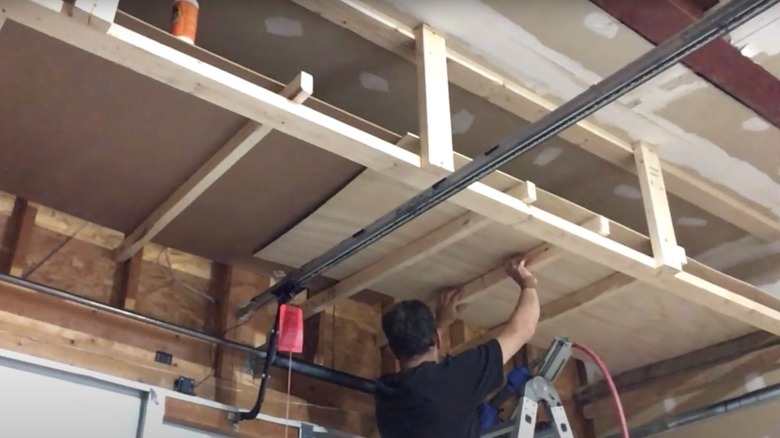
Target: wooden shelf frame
pixel 161 62
pixel 396 34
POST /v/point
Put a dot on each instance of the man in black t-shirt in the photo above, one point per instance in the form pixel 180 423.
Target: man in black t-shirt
pixel 432 398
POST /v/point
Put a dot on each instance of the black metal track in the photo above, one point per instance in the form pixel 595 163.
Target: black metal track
pixel 712 25
pixel 301 367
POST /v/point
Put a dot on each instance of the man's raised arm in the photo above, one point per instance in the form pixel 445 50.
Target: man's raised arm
pixel 521 326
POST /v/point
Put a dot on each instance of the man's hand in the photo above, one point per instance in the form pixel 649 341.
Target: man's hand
pixel 446 308
pixel 515 268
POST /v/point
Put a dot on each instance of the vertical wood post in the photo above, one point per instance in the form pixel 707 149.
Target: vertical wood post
pixel 16 238
pixel 126 281
pixel 668 255
pixel 434 99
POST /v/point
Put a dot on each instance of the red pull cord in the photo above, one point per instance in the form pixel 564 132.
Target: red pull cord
pixel 610 384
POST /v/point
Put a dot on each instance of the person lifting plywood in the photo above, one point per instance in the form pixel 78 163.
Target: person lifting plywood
pixel 440 398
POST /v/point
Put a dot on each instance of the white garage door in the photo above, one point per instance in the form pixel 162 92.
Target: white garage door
pixel 37 402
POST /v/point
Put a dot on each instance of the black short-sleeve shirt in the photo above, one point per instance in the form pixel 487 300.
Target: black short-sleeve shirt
pixel 439 399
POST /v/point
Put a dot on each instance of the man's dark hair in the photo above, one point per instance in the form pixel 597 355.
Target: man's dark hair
pixel 410 328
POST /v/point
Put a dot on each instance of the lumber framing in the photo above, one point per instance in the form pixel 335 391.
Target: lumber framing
pixel 126 281
pixel 712 381
pixel 696 360
pixel 659 217
pixel 539 258
pixel 218 421
pixel 587 296
pixel 433 95
pixel 394 33
pixel 16 238
pixel 186 73
pixel 435 241
pixel 760 363
pixel 224 320
pixel 252 133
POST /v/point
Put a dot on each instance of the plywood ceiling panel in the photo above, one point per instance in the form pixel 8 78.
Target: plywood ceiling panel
pixel 365 199
pixel 642 325
pixel 92 139
pixel 276 185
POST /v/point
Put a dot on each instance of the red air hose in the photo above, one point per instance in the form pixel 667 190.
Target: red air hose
pixel 610 384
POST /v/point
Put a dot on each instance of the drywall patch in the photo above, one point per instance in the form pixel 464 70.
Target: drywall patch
pixel 370 81
pixel 283 26
pixel 754 382
pixel 755 124
pixel 669 404
pixel 771 288
pixel 627 191
pixel 548 155
pixel 759 35
pixel 462 121
pixel 686 221
pixel 602 24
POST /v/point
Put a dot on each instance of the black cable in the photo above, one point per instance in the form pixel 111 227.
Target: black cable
pixel 273 346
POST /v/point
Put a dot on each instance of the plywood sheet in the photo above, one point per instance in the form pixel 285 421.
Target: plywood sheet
pixel 95 140
pixel 276 185
pixel 366 198
pixel 92 139
pixel 480 253
pixel 641 325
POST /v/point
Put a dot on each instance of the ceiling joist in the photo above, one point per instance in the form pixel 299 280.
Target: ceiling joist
pixel 538 258
pixel 700 359
pixel 587 296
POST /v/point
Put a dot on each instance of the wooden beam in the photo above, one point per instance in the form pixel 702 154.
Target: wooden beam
pixel 728 383
pixel 700 359
pixel 474 76
pixel 538 258
pixel 586 296
pixel 223 160
pixel 397 260
pixel 389 363
pixel 16 238
pixel 728 374
pixel 659 217
pixel 721 63
pixel 187 73
pixel 124 294
pixel 458 333
pixel 433 95
pixel 224 319
pixel 217 421
pixel 405 256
